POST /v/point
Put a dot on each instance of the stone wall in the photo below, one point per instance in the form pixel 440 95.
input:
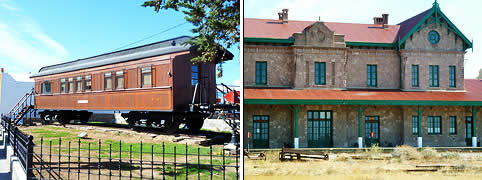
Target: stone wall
pixel 395 125
pixel 423 59
pixel 448 39
pixel 280 65
pixel 280 123
pixel 305 67
pixel 388 68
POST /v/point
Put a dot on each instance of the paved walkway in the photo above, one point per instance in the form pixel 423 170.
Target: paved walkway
pixel 4 174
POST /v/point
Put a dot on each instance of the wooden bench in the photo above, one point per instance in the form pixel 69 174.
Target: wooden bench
pixel 255 156
pixel 289 153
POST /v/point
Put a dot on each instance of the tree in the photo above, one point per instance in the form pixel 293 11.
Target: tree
pixel 216 22
pixel 480 74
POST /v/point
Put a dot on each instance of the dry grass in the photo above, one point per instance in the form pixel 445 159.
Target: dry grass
pixel 342 166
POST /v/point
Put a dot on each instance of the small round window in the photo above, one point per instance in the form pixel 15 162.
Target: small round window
pixel 433 37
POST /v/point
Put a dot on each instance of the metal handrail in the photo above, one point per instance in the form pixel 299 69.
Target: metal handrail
pixel 9 112
pixel 23 100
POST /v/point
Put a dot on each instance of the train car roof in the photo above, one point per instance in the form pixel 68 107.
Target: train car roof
pixel 149 50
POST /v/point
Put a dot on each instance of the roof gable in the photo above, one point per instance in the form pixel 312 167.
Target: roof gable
pixel 416 23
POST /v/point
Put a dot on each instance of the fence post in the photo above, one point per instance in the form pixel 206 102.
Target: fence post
pixel 30 156
pixel 15 141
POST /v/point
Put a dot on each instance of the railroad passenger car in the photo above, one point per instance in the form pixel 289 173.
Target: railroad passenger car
pixel 156 82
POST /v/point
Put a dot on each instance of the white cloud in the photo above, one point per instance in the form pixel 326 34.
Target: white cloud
pixel 24 46
pixel 22 77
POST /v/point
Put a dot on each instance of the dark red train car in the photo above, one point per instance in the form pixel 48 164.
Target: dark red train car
pixel 156 82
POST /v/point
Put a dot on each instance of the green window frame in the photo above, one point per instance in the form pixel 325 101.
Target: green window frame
pixel 434 125
pixel 452 79
pixel 414 125
pixel 452 125
pixel 371 75
pixel 261 131
pixel 320 73
pixel 433 76
pixel 261 72
pixel 415 76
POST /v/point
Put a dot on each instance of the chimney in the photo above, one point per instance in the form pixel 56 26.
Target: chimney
pixel 385 18
pixel 1 70
pixel 381 20
pixel 283 16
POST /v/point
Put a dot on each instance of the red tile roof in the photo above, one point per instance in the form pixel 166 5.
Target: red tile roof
pixel 473 92
pixel 267 28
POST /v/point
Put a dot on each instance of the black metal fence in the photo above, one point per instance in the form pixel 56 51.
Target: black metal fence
pixel 57 158
pixel 21 143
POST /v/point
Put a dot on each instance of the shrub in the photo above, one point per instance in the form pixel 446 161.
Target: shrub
pixel 429 153
pixel 406 152
pixel 374 151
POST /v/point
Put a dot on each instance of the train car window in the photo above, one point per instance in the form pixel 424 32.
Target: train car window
pixel 46 87
pixel 108 81
pixel 88 82
pixel 63 86
pixel 194 74
pixel 119 80
pixel 78 84
pixel 71 85
pixel 146 77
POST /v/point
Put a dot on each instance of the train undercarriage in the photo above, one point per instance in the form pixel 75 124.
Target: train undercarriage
pixel 193 117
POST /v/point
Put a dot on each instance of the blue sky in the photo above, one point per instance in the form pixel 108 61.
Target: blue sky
pixel 39 33
pixel 464 14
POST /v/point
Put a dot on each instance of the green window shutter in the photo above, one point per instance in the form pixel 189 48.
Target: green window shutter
pixel 434 125
pixel 261 73
pixel 452 125
pixel 320 73
pixel 414 75
pixel 452 79
pixel 414 125
pixel 371 75
pixel 433 76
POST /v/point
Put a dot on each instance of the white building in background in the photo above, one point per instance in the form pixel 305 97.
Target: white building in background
pixel 11 90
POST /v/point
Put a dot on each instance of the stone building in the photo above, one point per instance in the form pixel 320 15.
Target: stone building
pixel 330 84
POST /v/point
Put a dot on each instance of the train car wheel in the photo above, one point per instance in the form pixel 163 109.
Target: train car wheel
pixel 195 124
pixel 172 125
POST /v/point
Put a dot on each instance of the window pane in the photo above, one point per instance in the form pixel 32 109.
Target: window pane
pixel 78 86
pixel 108 83
pixel 119 82
pixel 146 79
pixel 194 74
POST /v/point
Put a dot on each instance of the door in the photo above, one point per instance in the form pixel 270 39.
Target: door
pixel 372 133
pixel 260 131
pixel 320 129
pixel 468 130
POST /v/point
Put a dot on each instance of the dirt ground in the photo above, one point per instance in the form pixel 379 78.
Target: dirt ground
pixel 147 135
pixel 465 165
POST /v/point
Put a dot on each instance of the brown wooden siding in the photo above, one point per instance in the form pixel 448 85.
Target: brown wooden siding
pixel 159 97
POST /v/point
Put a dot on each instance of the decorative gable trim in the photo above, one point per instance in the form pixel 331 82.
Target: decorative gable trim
pixel 437 15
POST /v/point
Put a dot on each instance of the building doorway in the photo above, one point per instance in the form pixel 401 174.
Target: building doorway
pixel 260 131
pixel 372 133
pixel 320 129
